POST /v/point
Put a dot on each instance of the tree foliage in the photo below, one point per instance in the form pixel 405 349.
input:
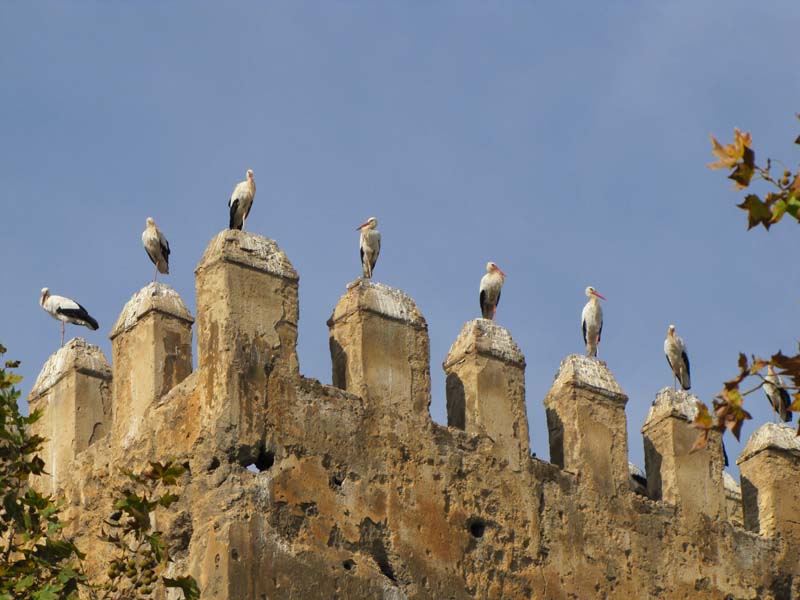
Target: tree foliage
pixel 782 198
pixel 38 561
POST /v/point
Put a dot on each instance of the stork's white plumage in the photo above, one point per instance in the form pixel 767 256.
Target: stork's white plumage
pixel 241 201
pixel 777 395
pixel 157 247
pixel 66 311
pixel 677 358
pixel 370 245
pixel 490 288
pixel 592 321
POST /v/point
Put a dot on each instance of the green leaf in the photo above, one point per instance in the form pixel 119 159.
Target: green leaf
pixel 778 209
pixel 168 499
pixel 187 584
pixel 24 584
pixel 758 212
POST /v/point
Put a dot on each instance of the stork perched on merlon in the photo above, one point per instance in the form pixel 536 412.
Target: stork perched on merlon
pixel 242 201
pixel 66 311
pixel 777 395
pixel 592 321
pixel 678 360
pixel 157 247
pixel 369 246
pixel 490 288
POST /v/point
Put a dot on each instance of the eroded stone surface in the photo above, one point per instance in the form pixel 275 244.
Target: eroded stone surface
pixel 296 489
pixel 486 337
pixel 153 297
pixel 590 373
pixel 671 402
pixel 77 353
pixel 771 435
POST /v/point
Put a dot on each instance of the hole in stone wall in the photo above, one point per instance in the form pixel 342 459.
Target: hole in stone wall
pixel 260 462
pixel 477 527
pixel 214 464
pixel 265 459
pixel 349 564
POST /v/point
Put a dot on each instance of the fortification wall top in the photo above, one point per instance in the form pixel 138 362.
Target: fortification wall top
pixel 484 336
pixel 75 354
pixel 155 297
pixel 771 435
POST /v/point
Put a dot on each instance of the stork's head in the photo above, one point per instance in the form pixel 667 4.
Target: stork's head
pixel 150 222
pixel 370 223
pixel 671 330
pixel 250 174
pixel 591 292
pixel 45 294
pixel 493 268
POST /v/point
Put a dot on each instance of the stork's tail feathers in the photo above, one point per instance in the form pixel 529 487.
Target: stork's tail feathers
pixel 91 323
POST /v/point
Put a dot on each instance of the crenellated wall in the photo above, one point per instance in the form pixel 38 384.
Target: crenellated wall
pixel 298 489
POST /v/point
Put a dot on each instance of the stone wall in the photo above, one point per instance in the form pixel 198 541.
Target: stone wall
pixel 297 489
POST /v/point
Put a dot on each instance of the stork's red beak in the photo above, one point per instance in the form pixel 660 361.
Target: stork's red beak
pixel 599 295
pixel 499 270
pixel 362 225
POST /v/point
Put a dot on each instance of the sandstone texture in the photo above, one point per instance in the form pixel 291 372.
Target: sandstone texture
pixel 301 490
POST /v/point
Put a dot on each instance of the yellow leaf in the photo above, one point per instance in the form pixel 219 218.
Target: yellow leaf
pixel 730 154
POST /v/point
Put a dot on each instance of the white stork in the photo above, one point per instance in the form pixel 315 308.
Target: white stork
pixel 242 200
pixel 592 321
pixel 370 245
pixel 157 247
pixel 677 358
pixel 66 311
pixel 491 285
pixel 777 395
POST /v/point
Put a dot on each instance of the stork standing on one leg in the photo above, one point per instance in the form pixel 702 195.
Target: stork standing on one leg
pixel 242 201
pixel 677 358
pixel 370 246
pixel 157 247
pixel 491 285
pixel 592 321
pixel 66 311
pixel 777 395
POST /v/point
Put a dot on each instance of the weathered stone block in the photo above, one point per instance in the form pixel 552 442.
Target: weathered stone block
pixel 152 338
pixel 770 468
pixel 587 426
pixel 380 349
pixel 486 388
pixel 675 474
pixel 73 391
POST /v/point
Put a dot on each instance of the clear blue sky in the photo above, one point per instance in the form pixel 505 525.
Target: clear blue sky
pixel 568 142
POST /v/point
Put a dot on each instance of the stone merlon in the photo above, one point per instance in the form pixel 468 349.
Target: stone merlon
pixel 155 297
pixel 77 354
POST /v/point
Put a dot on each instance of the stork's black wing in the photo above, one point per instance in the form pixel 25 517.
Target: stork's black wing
pixel 79 314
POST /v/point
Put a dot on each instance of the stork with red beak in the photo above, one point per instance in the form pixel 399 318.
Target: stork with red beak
pixel 241 201
pixel 677 358
pixel 777 395
pixel 370 246
pixel 592 321
pixel 491 285
pixel 66 311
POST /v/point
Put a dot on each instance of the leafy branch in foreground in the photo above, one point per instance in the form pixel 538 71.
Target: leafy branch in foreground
pixel 38 562
pixel 140 553
pixel 782 199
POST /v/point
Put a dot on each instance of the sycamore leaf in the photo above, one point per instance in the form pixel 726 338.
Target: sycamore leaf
pixel 730 154
pixel 778 210
pixel 744 170
pixel 795 406
pixel 758 364
pixel 793 205
pixel 187 584
pixel 758 212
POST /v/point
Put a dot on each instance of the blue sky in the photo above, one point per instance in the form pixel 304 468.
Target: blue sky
pixel 567 142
